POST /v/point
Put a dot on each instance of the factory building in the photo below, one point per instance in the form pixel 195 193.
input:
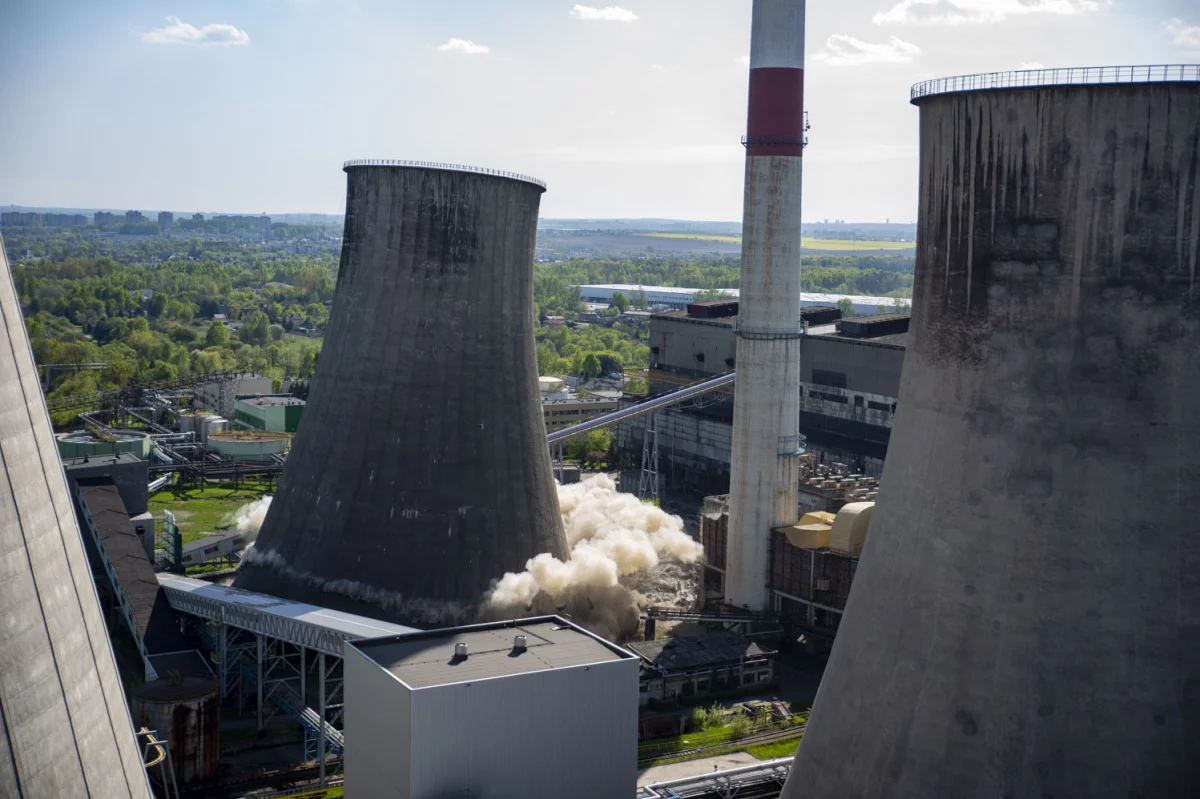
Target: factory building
pixel 275 413
pixel 692 667
pixel 537 707
pixel 562 407
pixel 1024 617
pixel 850 379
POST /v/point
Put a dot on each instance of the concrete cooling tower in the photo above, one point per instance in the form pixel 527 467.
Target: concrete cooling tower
pixel 420 471
pixel 1025 621
pixel 67 729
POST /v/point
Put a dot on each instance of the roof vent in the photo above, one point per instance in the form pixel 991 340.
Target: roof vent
pixel 519 643
pixel 460 651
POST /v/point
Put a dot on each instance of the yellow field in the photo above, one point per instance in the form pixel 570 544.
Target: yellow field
pixel 807 243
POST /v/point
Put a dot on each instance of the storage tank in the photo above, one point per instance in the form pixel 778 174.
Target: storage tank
pixel 80 444
pixel 186 711
pixel 420 471
pixel 254 445
pixel 67 730
pixel 1025 619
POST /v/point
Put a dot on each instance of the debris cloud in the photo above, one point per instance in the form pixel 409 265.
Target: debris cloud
pixel 623 552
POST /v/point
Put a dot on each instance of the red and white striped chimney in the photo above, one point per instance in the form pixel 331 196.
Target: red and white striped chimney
pixel 766 439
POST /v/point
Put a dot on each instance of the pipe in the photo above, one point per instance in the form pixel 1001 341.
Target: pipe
pixel 666 400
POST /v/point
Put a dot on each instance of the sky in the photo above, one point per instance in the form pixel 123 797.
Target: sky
pixel 629 110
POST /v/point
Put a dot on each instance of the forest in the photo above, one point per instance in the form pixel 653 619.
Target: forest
pixel 145 308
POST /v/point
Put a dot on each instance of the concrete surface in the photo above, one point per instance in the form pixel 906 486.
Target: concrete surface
pixel 694 768
pixel 420 470
pixel 67 729
pixel 1025 621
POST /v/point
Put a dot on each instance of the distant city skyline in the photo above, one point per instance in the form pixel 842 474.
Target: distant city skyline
pixel 627 111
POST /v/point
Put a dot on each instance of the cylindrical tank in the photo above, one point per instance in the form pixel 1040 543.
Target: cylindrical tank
pixel 77 445
pixel 248 445
pixel 187 713
pixel 1025 620
pixel 420 471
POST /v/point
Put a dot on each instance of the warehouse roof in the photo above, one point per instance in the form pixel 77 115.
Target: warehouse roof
pixel 428 659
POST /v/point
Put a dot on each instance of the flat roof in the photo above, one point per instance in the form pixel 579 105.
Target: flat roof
pixel 426 660
pixel 806 297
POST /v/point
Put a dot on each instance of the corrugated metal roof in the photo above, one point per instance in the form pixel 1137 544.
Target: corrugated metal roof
pixel 423 661
pixel 696 651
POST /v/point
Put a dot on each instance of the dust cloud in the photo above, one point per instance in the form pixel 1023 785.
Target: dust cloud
pixel 249 518
pixel 623 553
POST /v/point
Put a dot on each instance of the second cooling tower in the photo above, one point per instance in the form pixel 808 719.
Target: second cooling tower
pixel 420 472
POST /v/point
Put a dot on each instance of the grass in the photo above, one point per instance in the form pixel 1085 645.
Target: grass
pixel 207 509
pixel 774 750
pixel 830 245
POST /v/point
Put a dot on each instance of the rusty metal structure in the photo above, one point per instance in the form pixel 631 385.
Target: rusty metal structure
pixel 1025 620
pixel 420 471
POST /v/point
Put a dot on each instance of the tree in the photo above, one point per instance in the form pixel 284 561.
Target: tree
pixel 217 335
pixel 711 295
pixel 590 366
pixel 619 301
pixel 846 306
pixel 638 298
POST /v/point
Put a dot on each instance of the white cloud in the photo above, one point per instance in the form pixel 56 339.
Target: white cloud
pixel 843 50
pixel 1032 65
pixel 744 60
pixel 1185 35
pixel 464 46
pixel 176 31
pixel 959 12
pixel 609 14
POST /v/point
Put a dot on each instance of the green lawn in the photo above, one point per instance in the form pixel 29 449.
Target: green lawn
pixel 206 510
pixel 774 750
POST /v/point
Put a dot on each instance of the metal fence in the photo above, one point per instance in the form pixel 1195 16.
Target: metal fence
pixel 1068 76
pixel 479 170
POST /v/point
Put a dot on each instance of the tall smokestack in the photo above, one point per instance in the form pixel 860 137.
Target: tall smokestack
pixel 67 729
pixel 420 471
pixel 1025 620
pixel 766 416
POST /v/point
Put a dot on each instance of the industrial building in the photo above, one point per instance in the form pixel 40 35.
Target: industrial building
pixel 850 380
pixel 1023 621
pixel 508 709
pixel 274 413
pixel 691 667
pixel 408 489
pixel 221 395
pixel 562 407
pixel 680 298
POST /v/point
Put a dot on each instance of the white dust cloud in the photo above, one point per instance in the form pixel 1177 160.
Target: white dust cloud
pixel 249 518
pixel 622 552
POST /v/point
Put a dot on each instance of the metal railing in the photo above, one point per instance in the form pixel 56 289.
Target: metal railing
pixel 479 170
pixel 1067 76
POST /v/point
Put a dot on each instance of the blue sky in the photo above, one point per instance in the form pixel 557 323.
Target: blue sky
pixel 627 110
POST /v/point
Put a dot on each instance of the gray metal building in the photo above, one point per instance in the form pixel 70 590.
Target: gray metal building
pixel 66 726
pixel 536 707
pixel 1025 619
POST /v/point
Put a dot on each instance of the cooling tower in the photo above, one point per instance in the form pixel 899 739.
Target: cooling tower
pixel 1025 621
pixel 766 416
pixel 67 729
pixel 420 471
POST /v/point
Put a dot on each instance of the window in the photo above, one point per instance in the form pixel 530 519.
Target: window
pixel 858 402
pixel 821 395
pixel 825 377
pixel 880 406
pixel 748 679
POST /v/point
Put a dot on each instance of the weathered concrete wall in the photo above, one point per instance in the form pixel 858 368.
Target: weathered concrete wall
pixel 1025 621
pixel 420 470
pixel 67 729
